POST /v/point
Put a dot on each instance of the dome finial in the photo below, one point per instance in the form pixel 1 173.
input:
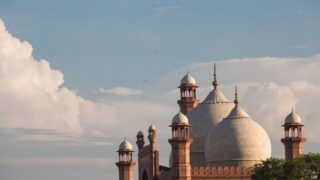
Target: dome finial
pixel 215 82
pixel 236 96
pixel 292 110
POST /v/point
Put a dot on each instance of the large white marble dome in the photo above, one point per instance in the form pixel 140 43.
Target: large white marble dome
pixel 202 118
pixel 237 141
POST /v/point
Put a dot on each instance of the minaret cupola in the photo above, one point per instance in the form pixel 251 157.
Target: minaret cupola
pixel 125 162
pixel 188 93
pixel 125 151
pixel 180 126
pixel 293 140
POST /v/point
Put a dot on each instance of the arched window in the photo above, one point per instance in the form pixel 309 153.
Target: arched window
pixel 144 176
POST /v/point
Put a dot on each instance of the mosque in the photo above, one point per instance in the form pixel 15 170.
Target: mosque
pixel 214 139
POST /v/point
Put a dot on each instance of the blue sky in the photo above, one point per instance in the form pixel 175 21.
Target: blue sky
pixel 93 42
pixel 115 67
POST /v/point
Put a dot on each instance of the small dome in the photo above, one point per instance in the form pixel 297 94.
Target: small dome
pixel 152 127
pixel 140 133
pixel 293 118
pixel 188 80
pixel 180 118
pixel 125 146
pixel 237 141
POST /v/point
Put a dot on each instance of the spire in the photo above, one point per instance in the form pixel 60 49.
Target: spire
pixel 215 82
pixel 236 96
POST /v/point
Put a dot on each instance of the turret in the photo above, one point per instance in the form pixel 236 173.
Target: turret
pixel 125 162
pixel 140 143
pixel 293 140
pixel 188 94
pixel 180 143
pixel 140 140
pixel 154 154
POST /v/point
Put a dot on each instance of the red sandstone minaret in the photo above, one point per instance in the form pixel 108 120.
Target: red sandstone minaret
pixel 140 143
pixel 180 148
pixel 188 96
pixel 154 154
pixel 125 163
pixel 293 140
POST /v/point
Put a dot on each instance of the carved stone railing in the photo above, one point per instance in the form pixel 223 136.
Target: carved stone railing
pixel 222 172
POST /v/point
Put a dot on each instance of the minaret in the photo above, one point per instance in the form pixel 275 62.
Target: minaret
pixel 125 163
pixel 154 157
pixel 140 143
pixel 293 140
pixel 188 95
pixel 180 148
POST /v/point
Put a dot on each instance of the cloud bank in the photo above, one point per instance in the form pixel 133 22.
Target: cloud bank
pixel 268 88
pixel 33 95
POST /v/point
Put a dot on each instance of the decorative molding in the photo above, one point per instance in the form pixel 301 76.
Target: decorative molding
pixel 222 171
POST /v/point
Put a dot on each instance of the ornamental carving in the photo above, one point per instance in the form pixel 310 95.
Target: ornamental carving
pixel 221 171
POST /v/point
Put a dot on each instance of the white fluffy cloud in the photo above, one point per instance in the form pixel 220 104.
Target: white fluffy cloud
pixel 33 97
pixel 32 94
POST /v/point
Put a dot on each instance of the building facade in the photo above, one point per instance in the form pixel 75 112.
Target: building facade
pixel 215 139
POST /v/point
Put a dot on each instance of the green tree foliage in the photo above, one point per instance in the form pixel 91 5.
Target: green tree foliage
pixel 306 167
